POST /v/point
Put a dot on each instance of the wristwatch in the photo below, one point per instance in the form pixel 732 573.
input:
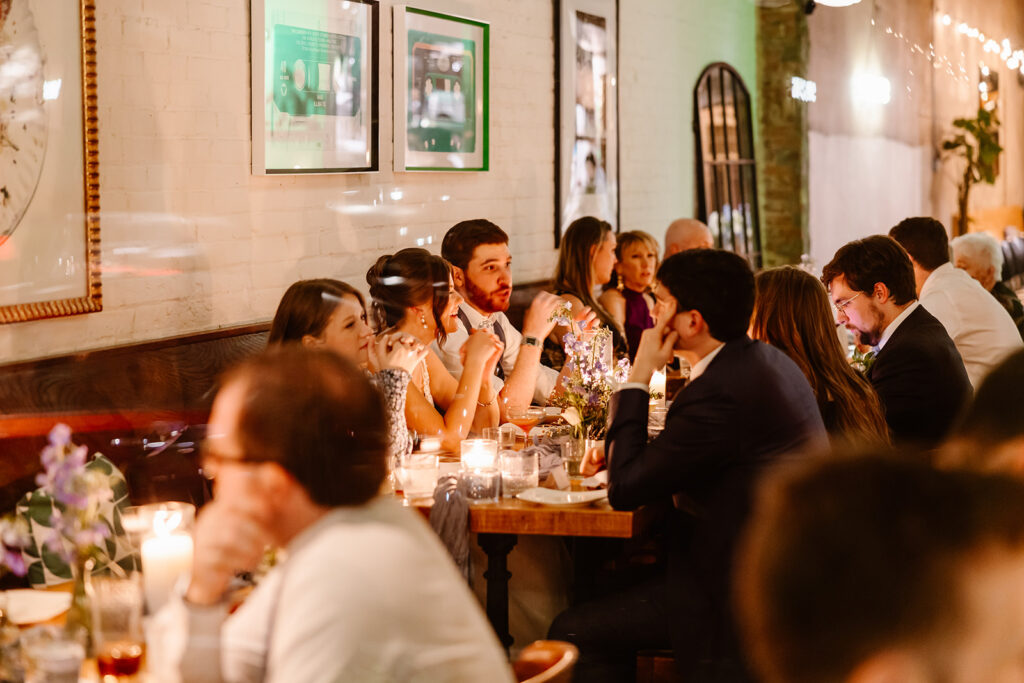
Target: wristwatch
pixel 530 341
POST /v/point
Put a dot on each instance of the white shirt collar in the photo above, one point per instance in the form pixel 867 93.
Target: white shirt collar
pixel 700 366
pixel 477 319
pixel 932 281
pixel 897 321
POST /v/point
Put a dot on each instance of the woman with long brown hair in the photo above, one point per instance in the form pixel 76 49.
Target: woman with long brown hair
pixel 585 261
pixel 413 293
pixel 792 313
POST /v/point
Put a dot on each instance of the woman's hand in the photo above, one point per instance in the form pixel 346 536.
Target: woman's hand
pixel 593 461
pixel 483 348
pixel 395 351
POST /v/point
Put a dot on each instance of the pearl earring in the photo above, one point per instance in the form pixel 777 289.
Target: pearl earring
pixel 423 321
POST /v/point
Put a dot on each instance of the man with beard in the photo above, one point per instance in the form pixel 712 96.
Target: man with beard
pixel 917 371
pixel 482 272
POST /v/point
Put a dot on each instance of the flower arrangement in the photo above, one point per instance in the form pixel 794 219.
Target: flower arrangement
pixel 77 528
pixel 591 378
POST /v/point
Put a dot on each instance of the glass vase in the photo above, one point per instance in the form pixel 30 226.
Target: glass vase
pixel 79 616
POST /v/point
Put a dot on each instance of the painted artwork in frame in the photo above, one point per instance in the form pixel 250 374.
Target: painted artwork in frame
pixel 587 106
pixel 441 81
pixel 49 161
pixel 314 86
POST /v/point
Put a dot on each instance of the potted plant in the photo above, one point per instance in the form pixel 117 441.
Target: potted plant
pixel 976 141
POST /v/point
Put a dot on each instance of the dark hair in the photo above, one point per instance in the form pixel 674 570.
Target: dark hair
pixel 846 557
pixel 793 314
pixel 463 238
pixel 306 308
pixel 573 272
pixel 925 239
pixel 317 416
pixel 718 284
pixel 871 260
pixel 408 278
pixel 995 417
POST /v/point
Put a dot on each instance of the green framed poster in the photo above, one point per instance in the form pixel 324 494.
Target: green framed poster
pixel 314 86
pixel 441 91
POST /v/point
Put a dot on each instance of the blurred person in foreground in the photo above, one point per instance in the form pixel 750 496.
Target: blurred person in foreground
pixel 884 570
pixel 981 257
pixel 684 234
pixel 990 434
pixel 746 407
pixel 365 593
pixel 792 313
pixel 916 371
pixel 981 329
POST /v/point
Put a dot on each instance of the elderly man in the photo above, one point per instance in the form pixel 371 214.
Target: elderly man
pixel 981 257
pixel 983 332
pixel 687 233
pixel 365 592
pixel 880 569
pixel 917 371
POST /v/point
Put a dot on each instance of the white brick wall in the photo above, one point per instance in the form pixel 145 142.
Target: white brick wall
pixel 192 241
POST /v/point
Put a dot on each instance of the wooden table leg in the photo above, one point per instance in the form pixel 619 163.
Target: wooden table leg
pixel 497 547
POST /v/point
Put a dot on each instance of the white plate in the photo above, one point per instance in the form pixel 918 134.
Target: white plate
pixel 570 499
pixel 28 606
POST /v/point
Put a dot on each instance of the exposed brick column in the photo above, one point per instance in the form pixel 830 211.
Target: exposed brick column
pixel 782 52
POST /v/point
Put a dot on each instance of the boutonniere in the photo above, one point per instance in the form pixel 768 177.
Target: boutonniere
pixel 862 361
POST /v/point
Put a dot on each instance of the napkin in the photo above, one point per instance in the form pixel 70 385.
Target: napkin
pixel 549 455
pixel 449 518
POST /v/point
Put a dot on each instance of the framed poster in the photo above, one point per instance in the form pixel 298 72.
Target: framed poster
pixel 314 86
pixel 442 75
pixel 586 112
pixel 49 162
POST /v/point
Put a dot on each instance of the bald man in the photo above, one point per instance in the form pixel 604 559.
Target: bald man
pixel 687 233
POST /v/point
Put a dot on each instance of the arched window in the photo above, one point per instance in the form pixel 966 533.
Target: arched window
pixel 726 182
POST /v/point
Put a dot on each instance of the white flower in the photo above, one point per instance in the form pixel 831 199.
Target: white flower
pixel 572 416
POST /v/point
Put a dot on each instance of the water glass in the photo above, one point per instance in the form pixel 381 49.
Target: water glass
pixel 572 456
pixel 117 623
pixel 418 473
pixel 519 471
pixel 51 655
pixel 480 485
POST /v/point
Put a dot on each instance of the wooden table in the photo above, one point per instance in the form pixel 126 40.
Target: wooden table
pixel 499 525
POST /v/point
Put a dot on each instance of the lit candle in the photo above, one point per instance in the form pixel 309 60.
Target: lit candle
pixel 658 384
pixel 479 454
pixel 164 559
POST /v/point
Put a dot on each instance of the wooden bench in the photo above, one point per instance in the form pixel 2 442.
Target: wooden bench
pixel 143 405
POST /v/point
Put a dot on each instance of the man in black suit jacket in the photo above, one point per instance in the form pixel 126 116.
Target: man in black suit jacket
pixel 917 371
pixel 746 406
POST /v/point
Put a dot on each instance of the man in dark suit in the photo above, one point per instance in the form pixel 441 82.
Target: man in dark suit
pixel 917 371
pixel 745 407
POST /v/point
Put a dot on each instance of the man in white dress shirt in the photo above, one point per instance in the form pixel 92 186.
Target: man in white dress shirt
pixel 365 592
pixel 482 271
pixel 982 330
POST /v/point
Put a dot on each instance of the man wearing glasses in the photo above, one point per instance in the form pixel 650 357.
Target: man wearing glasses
pixel 917 371
pixel 365 591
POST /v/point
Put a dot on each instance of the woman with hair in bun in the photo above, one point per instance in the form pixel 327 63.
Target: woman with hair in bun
pixel 332 314
pixel 413 293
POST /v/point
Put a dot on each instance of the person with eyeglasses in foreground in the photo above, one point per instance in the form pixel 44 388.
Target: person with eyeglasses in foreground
pixel 917 372
pixel 366 592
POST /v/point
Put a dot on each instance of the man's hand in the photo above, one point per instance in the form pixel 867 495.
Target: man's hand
pixel 656 347
pixel 395 351
pixel 229 538
pixel 536 321
pixel 593 461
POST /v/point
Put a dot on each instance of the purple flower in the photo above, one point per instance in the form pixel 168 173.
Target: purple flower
pixel 60 435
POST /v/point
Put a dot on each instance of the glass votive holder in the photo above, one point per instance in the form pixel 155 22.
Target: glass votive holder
pixel 418 473
pixel 163 534
pixel 480 485
pixel 519 471
pixel 573 451
pixel 51 655
pixel 479 454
